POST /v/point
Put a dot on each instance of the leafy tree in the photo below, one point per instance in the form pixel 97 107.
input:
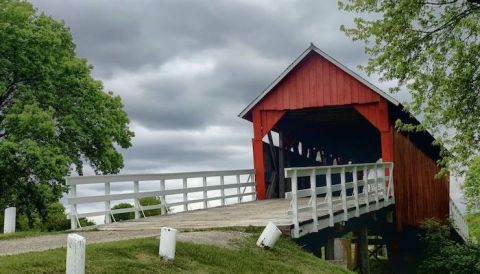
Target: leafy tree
pixel 123 216
pixel 471 185
pixel 444 255
pixel 431 47
pixel 54 116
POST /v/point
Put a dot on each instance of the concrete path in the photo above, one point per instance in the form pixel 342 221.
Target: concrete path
pixel 46 242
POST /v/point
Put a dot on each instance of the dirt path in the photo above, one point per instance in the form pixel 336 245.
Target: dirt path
pixel 45 242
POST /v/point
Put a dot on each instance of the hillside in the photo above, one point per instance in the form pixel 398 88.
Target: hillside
pixel 140 256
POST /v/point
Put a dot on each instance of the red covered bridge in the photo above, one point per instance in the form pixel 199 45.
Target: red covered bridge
pixel 325 114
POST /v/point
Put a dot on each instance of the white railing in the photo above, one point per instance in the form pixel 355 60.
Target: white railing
pixel 168 184
pixel 458 221
pixel 370 187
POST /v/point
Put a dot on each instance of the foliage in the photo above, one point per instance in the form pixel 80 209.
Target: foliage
pixel 53 115
pixel 444 255
pixel 123 216
pixel 56 220
pixel 471 185
pixel 473 221
pixel 141 256
pixel 148 201
pixel 432 49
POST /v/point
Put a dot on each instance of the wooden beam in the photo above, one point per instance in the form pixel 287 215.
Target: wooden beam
pixel 281 165
pixel 363 264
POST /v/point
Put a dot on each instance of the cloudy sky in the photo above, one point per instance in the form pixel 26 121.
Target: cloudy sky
pixel 185 69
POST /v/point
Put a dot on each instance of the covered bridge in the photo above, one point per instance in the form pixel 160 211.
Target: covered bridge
pixel 325 114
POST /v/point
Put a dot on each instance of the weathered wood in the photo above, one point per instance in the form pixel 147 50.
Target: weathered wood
pixel 75 254
pixel 363 264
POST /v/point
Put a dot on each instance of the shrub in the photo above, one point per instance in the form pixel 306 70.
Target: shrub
pixel 123 216
pixel 147 201
pixel 444 255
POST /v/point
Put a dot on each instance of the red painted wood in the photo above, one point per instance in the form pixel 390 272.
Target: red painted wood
pixel 316 82
pixel 258 156
pixel 269 118
pixel 418 195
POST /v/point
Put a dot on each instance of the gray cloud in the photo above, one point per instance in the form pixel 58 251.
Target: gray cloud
pixel 185 69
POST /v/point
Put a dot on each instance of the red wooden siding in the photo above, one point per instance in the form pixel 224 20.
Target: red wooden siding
pixel 316 82
pixel 418 195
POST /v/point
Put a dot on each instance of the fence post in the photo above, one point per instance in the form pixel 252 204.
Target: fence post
pixel 9 220
pixel 355 192
pixel 239 198
pixel 73 207
pixel 185 195
pixel 296 225
pixel 162 197
pixel 329 195
pixel 365 188
pixel 375 178
pixel 313 197
pixel 108 218
pixel 75 254
pixel 222 190
pixel 136 202
pixel 344 195
pixel 205 197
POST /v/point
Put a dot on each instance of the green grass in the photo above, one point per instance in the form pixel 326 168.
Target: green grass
pixel 25 234
pixel 473 221
pixel 141 256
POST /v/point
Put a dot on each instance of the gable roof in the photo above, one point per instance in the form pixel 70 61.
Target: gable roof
pixel 313 48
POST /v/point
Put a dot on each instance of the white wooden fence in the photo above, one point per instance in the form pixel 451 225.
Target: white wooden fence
pixel 370 186
pixel 458 221
pixel 243 186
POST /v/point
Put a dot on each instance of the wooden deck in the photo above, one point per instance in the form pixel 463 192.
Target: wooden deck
pixel 256 213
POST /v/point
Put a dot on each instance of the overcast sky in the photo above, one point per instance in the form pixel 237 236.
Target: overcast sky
pixel 185 69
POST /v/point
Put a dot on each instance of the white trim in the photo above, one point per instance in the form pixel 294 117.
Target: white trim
pixel 329 58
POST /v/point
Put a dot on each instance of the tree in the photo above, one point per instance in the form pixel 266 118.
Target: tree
pixel 148 201
pixel 54 116
pixel 431 47
pixel 471 186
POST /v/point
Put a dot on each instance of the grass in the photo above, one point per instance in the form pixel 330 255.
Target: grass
pixel 25 234
pixel 473 221
pixel 141 256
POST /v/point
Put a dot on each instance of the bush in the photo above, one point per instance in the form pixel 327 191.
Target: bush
pixel 123 216
pixel 147 201
pixel 444 255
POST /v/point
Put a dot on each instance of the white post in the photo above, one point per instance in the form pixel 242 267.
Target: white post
pixel 313 195
pixel 136 202
pixel 222 190
pixel 185 196
pixel 73 207
pixel 239 198
pixel 355 192
pixel 269 236
pixel 108 218
pixel 75 254
pixel 168 243
pixel 344 195
pixel 205 201
pixel 296 225
pixel 9 220
pixel 329 196
pixel 365 188
pixel 162 197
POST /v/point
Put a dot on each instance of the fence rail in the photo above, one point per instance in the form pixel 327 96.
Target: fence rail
pixel 349 189
pixel 166 179
pixel 459 222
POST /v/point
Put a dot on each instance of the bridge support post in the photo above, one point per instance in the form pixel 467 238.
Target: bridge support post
pixel 362 261
pixel 330 246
